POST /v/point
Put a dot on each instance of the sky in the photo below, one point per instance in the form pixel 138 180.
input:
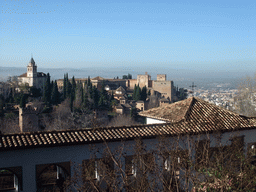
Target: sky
pixel 173 34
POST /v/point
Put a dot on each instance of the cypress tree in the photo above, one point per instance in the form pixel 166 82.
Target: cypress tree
pixel 47 90
pixel 73 88
pixel 144 93
pixel 23 101
pixel 86 101
pixel 55 94
pixel 95 97
pixel 103 101
pixel 64 87
pixel 2 105
pixel 136 93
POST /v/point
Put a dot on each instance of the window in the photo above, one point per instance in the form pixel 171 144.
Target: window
pixel 10 179
pixel 52 176
pixel 251 152
pixel 171 172
pixel 97 169
pixel 138 169
pixel 137 165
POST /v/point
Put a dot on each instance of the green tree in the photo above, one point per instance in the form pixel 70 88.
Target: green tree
pixel 143 93
pixel 2 103
pixel 23 101
pixel 55 94
pixel 47 90
pixel 125 77
pixel 95 97
pixel 103 101
pixel 65 86
pixel 136 93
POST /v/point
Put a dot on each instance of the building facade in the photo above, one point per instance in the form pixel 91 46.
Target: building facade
pixel 37 161
pixel 32 78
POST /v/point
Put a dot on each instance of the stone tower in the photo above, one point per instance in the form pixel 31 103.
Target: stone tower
pixel 28 119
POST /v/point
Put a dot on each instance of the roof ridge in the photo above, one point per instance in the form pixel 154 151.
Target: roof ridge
pixel 223 109
pixel 189 108
pixel 81 129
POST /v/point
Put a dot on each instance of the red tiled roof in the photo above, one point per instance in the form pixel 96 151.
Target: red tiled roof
pixel 97 78
pixel 23 75
pixel 86 136
pixel 172 113
pixel 196 117
pixel 198 113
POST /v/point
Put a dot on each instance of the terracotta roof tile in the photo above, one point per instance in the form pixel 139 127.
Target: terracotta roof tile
pixel 199 117
pixel 23 75
pixel 98 78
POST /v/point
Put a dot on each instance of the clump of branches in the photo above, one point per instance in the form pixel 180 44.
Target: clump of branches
pixel 187 163
pixel 245 101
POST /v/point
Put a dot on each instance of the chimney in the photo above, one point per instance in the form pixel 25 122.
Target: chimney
pixel 21 119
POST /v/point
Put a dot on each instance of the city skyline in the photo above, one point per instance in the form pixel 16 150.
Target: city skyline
pixel 198 35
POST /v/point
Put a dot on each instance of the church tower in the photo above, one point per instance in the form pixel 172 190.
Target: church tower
pixel 32 69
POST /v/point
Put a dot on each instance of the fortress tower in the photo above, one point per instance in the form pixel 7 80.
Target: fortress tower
pixel 28 119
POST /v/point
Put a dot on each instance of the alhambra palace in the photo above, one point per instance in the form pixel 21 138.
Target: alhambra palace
pixel 45 160
pixel 164 89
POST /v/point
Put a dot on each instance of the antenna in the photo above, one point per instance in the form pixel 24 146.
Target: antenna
pixel 192 86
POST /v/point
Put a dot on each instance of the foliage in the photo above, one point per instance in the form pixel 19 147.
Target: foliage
pixel 47 90
pixel 143 95
pixel 129 76
pixel 182 93
pixel 23 100
pixel 136 93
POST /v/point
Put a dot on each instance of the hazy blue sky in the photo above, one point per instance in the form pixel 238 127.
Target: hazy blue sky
pixel 194 34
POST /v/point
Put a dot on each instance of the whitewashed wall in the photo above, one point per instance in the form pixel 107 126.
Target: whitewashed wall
pixel 154 121
pixel 29 158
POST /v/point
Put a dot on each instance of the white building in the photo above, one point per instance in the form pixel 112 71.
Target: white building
pixel 32 78
pixel 37 161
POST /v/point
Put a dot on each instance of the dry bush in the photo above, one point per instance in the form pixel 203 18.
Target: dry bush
pixel 9 124
pixel 182 164
pixel 122 120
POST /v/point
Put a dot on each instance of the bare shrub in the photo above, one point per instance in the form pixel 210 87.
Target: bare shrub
pixel 186 163
pixel 122 120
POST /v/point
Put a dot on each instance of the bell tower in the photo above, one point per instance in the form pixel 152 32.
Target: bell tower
pixel 32 69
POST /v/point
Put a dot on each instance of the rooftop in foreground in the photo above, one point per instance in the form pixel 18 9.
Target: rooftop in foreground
pixel 191 116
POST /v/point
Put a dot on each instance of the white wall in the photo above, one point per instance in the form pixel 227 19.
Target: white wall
pixel 154 121
pixel 29 158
